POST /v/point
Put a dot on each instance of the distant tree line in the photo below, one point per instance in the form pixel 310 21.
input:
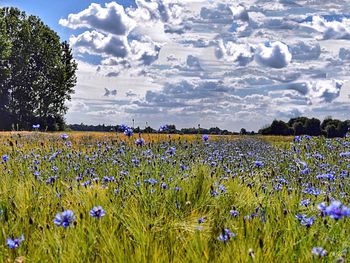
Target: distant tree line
pixel 170 129
pixel 37 73
pixel 308 126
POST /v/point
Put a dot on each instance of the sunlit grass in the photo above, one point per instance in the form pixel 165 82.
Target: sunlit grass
pixel 147 222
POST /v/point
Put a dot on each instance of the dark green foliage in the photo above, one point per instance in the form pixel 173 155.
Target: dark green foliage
pixel 304 126
pixel 41 73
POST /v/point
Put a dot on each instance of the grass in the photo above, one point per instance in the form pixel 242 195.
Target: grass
pixel 148 222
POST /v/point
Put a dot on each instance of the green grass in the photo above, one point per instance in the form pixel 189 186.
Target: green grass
pixel 142 225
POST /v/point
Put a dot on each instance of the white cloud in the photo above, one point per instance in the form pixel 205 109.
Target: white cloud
pixel 240 13
pixel 110 19
pixel 274 55
pixel 331 29
pixel 240 54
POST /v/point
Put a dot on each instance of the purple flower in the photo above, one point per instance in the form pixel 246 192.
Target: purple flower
pixel 129 132
pixel 163 128
pixel 226 235
pixel 337 210
pixel 97 212
pixel 64 136
pixel 14 243
pixel 259 164
pixel 5 158
pixel 305 202
pixel 140 142
pixel 234 213
pixel 319 251
pixel 36 126
pixel 64 219
pixel 123 127
pixel 201 220
pixel 205 137
pixel 305 221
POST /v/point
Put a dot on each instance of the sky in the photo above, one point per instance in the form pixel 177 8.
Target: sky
pixel 219 63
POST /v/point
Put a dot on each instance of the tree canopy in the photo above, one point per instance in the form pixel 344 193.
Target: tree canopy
pixel 305 126
pixel 37 73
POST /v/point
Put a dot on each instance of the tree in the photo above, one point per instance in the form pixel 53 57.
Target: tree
pixel 243 131
pixel 279 128
pixel 331 131
pixel 5 51
pixel 313 127
pixel 42 73
pixel 298 128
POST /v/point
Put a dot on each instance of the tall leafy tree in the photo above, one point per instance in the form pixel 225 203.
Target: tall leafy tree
pixel 5 51
pixel 42 72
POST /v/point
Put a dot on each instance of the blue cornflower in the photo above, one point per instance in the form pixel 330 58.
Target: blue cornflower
pixel 171 151
pixel 64 219
pixel 345 154
pixel 14 243
pixel 319 251
pixel 123 127
pixel 201 220
pixel 304 220
pixel 97 212
pixel 259 164
pixel 335 210
pixel 222 188
pixel 226 235
pixel 5 158
pixel 305 202
pixel 151 181
pixel 205 137
pixel 36 126
pixel 164 186
pixel 140 142
pixel 163 128
pixel 129 132
pixel 234 213
pixel 64 136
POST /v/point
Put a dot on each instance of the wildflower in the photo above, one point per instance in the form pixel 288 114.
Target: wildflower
pixel 201 220
pixel 164 186
pixel 151 181
pixel 335 210
pixel 319 251
pixel 97 212
pixel 305 202
pixel 129 132
pixel 222 188
pixel 14 243
pixel 304 220
pixel 234 213
pixel 140 142
pixel 163 128
pixel 259 164
pixel 64 136
pixel 36 126
pixel 64 219
pixel 345 154
pixel 205 137
pixel 226 235
pixel 5 158
pixel 171 151
pixel 123 127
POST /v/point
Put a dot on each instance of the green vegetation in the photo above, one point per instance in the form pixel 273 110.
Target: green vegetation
pixel 171 200
pixel 37 73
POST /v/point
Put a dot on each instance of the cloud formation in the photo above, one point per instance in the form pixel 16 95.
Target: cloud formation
pixel 274 55
pixel 243 63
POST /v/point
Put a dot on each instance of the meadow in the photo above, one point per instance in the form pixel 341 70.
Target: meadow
pixel 101 197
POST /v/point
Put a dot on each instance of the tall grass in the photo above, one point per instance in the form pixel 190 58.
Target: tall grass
pixel 148 222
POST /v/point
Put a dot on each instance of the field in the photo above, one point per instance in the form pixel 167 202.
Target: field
pixel 175 198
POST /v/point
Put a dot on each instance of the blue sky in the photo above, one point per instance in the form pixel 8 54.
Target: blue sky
pixel 218 63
